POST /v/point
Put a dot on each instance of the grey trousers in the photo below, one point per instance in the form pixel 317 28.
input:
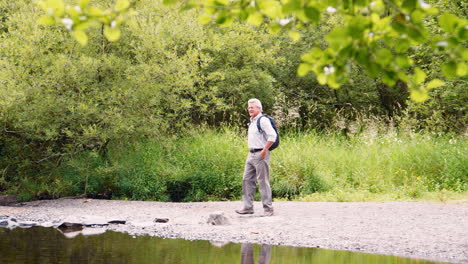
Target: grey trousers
pixel 247 254
pixel 257 170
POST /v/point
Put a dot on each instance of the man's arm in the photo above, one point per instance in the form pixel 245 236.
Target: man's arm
pixel 266 149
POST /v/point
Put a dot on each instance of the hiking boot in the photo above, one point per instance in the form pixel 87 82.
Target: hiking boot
pixel 268 213
pixel 244 211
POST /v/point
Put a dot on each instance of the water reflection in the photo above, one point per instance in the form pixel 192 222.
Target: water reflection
pixel 247 254
pixel 49 245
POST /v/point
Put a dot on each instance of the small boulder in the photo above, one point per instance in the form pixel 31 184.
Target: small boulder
pixel 217 218
pixel 161 220
pixel 3 222
pixel 118 222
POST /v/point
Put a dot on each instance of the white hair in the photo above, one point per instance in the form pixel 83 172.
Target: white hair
pixel 256 102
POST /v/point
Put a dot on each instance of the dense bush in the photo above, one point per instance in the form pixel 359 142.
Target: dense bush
pixel 208 165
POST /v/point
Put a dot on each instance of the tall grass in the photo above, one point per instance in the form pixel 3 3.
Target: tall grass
pixel 208 165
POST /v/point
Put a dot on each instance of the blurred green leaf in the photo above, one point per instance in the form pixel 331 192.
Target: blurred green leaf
pixel 403 61
pixel 384 56
pixel 434 84
pixel 83 3
pixel 419 75
pixel 303 69
pixel 448 22
pixel 204 19
pixel 402 45
pixel 449 69
pixel 255 19
pixel 294 35
pixel 94 11
pixel 57 6
pixel 312 14
pixel 112 33
pixel 389 78
pixel 462 69
pixel 46 21
pixel 169 2
pixel 419 95
pixel 409 5
pixel 123 4
pixel 81 37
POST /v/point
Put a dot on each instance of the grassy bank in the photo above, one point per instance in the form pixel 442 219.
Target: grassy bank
pixel 208 165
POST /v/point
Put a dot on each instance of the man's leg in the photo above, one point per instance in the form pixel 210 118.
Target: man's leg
pixel 263 178
pixel 248 184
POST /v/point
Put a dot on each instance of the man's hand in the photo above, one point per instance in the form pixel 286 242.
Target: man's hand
pixel 264 153
pixel 266 149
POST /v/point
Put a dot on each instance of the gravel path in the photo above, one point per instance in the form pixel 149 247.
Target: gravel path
pixel 430 231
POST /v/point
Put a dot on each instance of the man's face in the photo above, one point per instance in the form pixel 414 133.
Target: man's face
pixel 253 110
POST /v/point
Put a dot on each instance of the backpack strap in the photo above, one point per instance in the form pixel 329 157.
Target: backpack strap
pixel 259 127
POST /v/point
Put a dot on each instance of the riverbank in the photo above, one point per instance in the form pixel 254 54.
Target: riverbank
pixel 432 231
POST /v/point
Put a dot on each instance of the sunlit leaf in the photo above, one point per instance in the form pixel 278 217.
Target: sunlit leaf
pixel 403 61
pixel 449 69
pixel 275 28
pixel 294 35
pixel 462 69
pixel 204 19
pixel 112 33
pixel 419 95
pixel 83 3
pixel 292 6
pixel 322 79
pixel 417 16
pixel 123 4
pixel 57 6
pixel 270 8
pixel 255 19
pixel 434 84
pixel 46 21
pixel 464 53
pixel 419 75
pixel 383 56
pixel 81 37
pixel 169 2
pixel 94 11
pixel 303 69
pixel 448 22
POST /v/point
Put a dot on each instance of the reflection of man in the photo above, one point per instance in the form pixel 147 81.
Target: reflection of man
pixel 248 255
pixel 257 168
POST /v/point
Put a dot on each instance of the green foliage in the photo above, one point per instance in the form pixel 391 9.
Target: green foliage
pixel 368 33
pixel 208 165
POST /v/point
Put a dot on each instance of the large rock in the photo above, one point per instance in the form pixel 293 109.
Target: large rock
pixel 7 200
pixel 217 218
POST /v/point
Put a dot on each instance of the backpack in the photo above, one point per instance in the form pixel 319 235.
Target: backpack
pixel 273 124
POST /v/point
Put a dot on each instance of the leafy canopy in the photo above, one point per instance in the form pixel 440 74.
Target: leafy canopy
pixel 376 35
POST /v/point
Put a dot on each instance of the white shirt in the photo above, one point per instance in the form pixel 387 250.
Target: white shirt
pixel 257 140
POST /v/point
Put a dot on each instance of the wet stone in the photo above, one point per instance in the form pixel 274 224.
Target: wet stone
pixel 67 225
pixel 217 218
pixel 161 220
pixel 3 223
pixel 118 222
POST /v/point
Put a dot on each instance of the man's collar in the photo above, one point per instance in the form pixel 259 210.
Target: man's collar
pixel 256 117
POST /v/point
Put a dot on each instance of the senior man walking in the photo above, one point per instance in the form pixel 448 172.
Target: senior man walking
pixel 257 167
